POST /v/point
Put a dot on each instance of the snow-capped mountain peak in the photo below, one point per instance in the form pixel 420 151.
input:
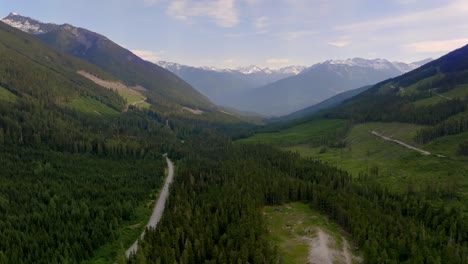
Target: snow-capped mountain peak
pixel 360 62
pixel 293 70
pixel 27 24
pixel 377 64
pixel 252 69
pixel 249 69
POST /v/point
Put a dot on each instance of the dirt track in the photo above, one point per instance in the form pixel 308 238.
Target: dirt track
pixel 401 143
pixel 323 250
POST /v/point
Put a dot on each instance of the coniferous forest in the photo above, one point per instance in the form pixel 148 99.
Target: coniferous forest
pixel 72 181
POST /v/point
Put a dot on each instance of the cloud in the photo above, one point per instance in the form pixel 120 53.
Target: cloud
pixel 152 2
pixel 293 35
pixel 253 2
pixel 229 61
pixel 149 55
pixel 338 44
pixel 451 12
pixel 436 46
pixel 262 24
pixel 277 61
pixel 223 12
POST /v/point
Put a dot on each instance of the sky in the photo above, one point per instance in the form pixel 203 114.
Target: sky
pixel 266 33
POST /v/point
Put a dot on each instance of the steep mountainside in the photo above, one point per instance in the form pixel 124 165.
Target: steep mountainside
pixel 31 69
pixel 163 87
pixel 223 86
pixel 426 95
pixel 319 82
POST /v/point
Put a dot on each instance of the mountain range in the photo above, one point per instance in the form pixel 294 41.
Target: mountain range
pixel 289 89
pixel 161 87
pixel 224 86
pixel 271 92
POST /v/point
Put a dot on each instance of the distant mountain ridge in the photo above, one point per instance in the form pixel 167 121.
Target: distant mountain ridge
pixel 289 89
pixel 225 86
pixel 163 88
pixel 319 82
pixel 251 69
pixel 251 88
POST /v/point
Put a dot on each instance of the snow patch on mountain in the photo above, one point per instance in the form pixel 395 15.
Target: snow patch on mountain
pixel 377 64
pixel 24 26
pixel 27 24
pixel 252 69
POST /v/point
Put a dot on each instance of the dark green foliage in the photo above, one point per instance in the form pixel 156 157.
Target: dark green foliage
pixel 68 181
pixel 211 214
pixel 451 126
pixel 60 207
pixel 394 108
pixel 463 148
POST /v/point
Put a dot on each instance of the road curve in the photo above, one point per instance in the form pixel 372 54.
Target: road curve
pixel 158 208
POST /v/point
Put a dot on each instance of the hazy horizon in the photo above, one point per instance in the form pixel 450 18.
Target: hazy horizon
pixel 233 33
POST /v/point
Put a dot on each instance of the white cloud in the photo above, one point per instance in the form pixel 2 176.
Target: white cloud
pixel 262 24
pixel 451 12
pixel 152 2
pixel 338 44
pixel 229 60
pixel 436 46
pixel 253 2
pixel 223 12
pixel 149 55
pixel 277 61
pixel 293 35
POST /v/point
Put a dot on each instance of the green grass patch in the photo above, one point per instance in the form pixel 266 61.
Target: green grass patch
pixel 90 106
pixel 399 168
pixel 291 224
pixel 448 146
pixel 317 132
pixel 7 96
pixel 134 98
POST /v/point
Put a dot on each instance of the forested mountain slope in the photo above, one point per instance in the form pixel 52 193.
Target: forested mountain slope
pixel 77 187
pixel 427 95
pixel 32 69
pixel 164 88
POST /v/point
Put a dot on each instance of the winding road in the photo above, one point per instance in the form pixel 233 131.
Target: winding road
pixel 158 208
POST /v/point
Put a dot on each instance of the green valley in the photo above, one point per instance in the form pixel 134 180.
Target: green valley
pixel 88 131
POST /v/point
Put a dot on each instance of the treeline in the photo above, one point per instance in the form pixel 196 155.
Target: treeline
pixel 452 126
pixel 214 216
pixel 463 148
pixel 393 108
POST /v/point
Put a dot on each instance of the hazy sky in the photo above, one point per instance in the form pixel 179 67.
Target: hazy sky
pixel 268 33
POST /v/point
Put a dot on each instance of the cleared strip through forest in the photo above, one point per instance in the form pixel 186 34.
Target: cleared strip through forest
pixel 401 143
pixel 158 208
